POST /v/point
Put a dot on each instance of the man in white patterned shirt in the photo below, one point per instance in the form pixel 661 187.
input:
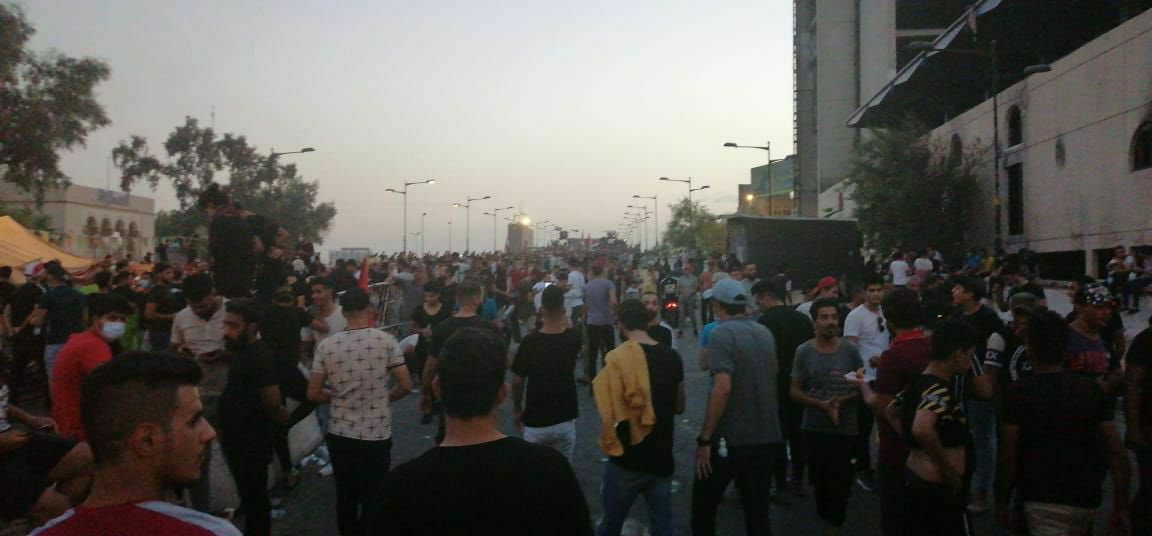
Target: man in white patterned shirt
pixel 350 371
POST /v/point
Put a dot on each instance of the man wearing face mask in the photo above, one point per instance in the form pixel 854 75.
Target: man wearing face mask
pixel 82 353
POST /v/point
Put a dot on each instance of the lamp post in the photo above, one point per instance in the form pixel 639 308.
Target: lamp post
pixel 495 213
pixel 404 192
pixel 274 154
pixel 993 87
pixel 644 210
pixel 656 210
pixel 422 216
pixel 537 228
pixel 688 181
pixel 771 187
pixel 467 204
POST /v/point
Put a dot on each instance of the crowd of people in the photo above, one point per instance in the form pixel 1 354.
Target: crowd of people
pixel 148 365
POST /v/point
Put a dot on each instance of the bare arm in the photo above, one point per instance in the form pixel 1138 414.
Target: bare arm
pixel 151 314
pixel 403 384
pixel 316 392
pixel 517 395
pixel 680 398
pixel 924 430
pixel 717 403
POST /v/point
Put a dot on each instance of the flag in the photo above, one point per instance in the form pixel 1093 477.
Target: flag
pixel 363 283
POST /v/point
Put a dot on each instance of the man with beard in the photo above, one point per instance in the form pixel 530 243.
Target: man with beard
pixel 252 399
pixel 27 341
pixel 148 434
pixel 162 304
pixel 198 333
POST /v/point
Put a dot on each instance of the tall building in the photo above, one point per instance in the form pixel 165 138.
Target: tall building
pixel 844 51
pixel 769 191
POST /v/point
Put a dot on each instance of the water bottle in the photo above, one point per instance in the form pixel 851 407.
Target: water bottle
pixel 722 450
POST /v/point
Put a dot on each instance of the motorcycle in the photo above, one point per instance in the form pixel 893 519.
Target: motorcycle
pixel 670 301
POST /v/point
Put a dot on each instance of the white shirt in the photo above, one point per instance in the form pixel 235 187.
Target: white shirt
pixel 864 324
pixel 336 324
pixel 201 336
pixel 575 295
pixel 923 264
pixel 899 271
pixel 356 365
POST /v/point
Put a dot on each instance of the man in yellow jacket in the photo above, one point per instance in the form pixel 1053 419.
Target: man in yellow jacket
pixel 638 393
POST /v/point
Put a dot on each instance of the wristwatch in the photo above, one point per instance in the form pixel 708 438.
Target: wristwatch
pixel 702 442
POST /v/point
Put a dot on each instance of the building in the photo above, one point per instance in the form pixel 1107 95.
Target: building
pixel 770 189
pixel 1072 113
pixel 520 237
pixel 844 52
pixel 356 254
pixel 92 222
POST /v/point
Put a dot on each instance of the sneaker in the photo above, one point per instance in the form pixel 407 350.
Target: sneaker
pixel 866 479
pixel 326 470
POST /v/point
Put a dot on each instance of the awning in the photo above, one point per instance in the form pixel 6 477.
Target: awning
pixel 19 246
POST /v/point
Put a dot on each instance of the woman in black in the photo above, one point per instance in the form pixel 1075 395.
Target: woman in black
pixel 426 315
pixel 930 416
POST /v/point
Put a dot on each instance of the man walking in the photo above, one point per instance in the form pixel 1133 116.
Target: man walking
pixel 740 437
pixel 60 312
pixel 546 359
pixel 356 364
pixel 865 328
pixel 830 414
pixel 469 296
pixel 599 304
pixel 638 440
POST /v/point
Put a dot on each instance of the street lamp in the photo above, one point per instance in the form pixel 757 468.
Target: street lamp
pixel 495 212
pixel 656 208
pixel 422 216
pixel 644 210
pixel 467 204
pixel 688 181
pixel 993 87
pixel 404 192
pixel 274 154
pixel 771 187
pixel 540 225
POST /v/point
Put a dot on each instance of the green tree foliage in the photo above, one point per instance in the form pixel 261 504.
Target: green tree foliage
pixel 30 219
pixel 196 157
pixel 914 191
pixel 693 227
pixel 47 105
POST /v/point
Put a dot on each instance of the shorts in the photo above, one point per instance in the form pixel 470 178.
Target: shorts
pixel 24 472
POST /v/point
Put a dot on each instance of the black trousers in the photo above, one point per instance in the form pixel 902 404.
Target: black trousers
pixel 248 459
pixel 830 461
pixel 24 353
pixel 706 314
pixel 601 340
pixel 932 508
pixel 751 468
pixel 862 453
pixel 1142 500
pixel 892 484
pixel 791 415
pixel 358 467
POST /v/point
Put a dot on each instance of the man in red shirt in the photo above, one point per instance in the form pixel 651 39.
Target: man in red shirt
pixel 147 431
pixel 82 353
pixel 904 360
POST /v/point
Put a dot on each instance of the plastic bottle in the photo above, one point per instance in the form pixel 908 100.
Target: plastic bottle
pixel 722 450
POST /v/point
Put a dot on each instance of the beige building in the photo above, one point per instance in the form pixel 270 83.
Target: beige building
pixel 93 222
pixel 1076 141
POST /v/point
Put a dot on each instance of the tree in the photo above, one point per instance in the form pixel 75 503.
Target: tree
pixel 915 191
pixel 47 105
pixel 693 227
pixel 196 158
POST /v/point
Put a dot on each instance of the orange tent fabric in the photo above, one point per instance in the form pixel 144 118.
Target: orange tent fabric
pixel 19 246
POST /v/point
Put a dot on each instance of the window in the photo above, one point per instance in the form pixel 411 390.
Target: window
pixel 1015 127
pixel 955 151
pixel 1142 147
pixel 1016 199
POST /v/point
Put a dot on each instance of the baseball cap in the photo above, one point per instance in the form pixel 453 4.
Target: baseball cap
pixel 1023 302
pixel 827 282
pixel 728 291
pixel 1095 294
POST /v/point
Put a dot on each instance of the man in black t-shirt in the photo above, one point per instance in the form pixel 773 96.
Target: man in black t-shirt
pixel 250 411
pixel 478 481
pixel 546 359
pixel 469 296
pixel 644 466
pixel 790 329
pixel 1138 416
pixel 160 307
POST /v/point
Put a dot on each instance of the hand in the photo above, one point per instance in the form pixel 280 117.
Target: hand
pixel 874 361
pixel 1135 438
pixel 12 440
pixel 1119 522
pixel 832 409
pixel 703 462
pixel 45 424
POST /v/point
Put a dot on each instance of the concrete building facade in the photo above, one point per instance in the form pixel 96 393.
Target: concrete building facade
pixel 92 222
pixel 769 191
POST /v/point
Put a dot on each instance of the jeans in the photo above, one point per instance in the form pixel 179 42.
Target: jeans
pixel 601 340
pixel 1142 501
pixel 561 437
pixel 248 462
pixel 1134 289
pixel 1047 519
pixel 50 353
pixel 830 459
pixel 932 508
pixel 619 491
pixel 751 467
pixel 358 467
pixel 982 419
pixel 891 481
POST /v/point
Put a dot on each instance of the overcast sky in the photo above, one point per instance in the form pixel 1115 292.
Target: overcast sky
pixel 565 109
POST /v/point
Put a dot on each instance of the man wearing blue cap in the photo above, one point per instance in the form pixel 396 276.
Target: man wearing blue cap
pixel 741 435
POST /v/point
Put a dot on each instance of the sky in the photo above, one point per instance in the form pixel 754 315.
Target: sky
pixel 562 110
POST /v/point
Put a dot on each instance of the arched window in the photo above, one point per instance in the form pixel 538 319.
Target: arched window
pixel 1142 147
pixel 106 227
pixel 955 151
pixel 1015 127
pixel 120 228
pixel 91 227
pixel 133 229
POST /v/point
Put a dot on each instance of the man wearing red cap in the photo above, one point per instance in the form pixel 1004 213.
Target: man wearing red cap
pixel 827 288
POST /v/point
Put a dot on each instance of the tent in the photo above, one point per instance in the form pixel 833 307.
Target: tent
pixel 19 246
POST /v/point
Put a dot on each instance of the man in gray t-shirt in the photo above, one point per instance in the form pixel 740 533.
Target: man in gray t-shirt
pixel 599 320
pixel 820 383
pixel 741 434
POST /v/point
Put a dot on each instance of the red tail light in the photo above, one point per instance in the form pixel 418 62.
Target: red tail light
pixel 671 305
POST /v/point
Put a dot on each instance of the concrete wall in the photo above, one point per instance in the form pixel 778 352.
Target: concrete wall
pixel 131 219
pixel 1091 103
pixel 836 89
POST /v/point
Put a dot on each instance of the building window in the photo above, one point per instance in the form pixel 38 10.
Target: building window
pixel 1142 147
pixel 1015 127
pixel 1016 199
pixel 955 151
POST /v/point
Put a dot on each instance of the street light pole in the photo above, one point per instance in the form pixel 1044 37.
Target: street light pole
pixel 656 212
pixel 771 187
pixel 404 192
pixel 688 181
pixel 422 233
pixel 274 154
pixel 467 204
pixel 495 213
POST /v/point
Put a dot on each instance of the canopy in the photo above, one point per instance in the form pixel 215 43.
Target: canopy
pixel 19 246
